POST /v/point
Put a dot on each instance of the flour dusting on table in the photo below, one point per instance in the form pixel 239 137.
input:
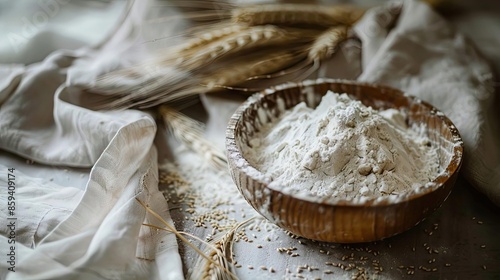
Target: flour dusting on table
pixel 343 149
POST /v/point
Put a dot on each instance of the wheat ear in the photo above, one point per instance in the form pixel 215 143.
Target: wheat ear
pixel 222 253
pixel 199 42
pixel 151 84
pixel 296 14
pixel 253 37
pixel 172 229
pixel 148 76
pixel 256 66
pixel 224 76
pixel 190 132
pixel 325 45
pixel 159 89
pixel 321 49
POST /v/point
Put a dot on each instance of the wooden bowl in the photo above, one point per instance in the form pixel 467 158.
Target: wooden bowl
pixel 332 219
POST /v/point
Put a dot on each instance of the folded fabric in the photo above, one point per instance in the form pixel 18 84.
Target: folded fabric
pixel 63 232
pixel 426 57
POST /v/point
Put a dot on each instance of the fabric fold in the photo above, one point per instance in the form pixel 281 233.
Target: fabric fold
pixel 97 233
pixel 424 56
pixel 103 237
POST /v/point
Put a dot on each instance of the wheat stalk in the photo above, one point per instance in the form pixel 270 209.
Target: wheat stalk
pixel 223 77
pixel 190 132
pixel 221 253
pixel 228 55
pixel 198 43
pixel 164 71
pixel 322 48
pixel 170 228
pixel 154 85
pixel 255 66
pixel 151 82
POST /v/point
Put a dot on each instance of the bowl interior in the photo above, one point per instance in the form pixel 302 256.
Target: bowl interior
pixel 264 107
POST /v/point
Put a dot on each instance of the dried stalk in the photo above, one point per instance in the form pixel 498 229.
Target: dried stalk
pixel 227 55
pixel 190 132
pixel 297 14
pixel 221 253
pixel 172 229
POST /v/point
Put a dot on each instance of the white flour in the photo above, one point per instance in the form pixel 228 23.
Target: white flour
pixel 343 149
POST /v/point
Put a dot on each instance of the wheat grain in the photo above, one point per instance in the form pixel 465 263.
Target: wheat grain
pixel 296 14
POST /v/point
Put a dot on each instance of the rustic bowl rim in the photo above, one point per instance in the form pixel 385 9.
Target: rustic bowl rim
pixel 245 167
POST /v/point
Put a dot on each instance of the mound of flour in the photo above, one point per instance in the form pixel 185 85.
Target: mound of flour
pixel 343 149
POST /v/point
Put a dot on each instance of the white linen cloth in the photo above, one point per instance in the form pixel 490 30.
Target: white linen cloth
pixel 97 233
pixel 63 232
pixel 424 56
